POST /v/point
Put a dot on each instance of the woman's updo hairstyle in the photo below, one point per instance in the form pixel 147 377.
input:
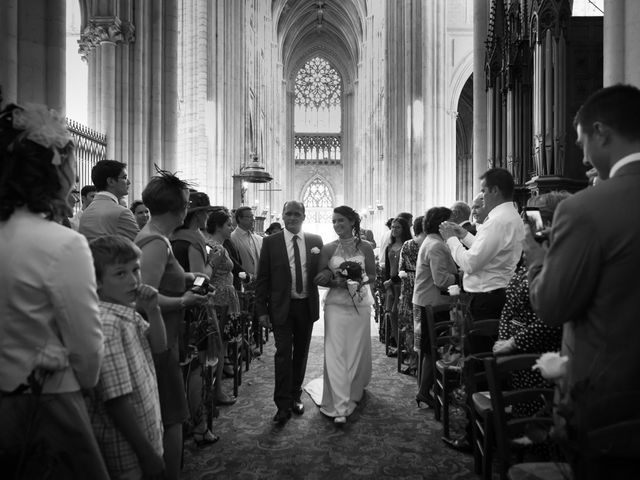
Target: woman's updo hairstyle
pixel 434 217
pixel 350 214
pixel 29 171
pixel 165 193
pixel 217 219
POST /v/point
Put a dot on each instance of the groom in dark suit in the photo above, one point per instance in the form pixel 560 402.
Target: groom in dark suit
pixel 287 300
pixel 589 282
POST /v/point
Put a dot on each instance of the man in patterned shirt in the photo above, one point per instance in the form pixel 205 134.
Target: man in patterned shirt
pixel 124 407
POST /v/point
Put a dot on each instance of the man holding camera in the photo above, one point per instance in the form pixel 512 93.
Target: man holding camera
pixel 493 253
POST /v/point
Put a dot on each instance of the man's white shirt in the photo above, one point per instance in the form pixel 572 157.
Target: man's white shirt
pixel 493 253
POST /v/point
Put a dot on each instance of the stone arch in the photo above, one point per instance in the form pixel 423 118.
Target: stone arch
pixel 318 213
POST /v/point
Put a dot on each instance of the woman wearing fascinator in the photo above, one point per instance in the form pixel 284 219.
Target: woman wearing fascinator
pixel 52 342
pixel 347 267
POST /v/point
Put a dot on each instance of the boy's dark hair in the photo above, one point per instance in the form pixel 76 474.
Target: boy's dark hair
pixel 112 250
pixel 84 191
pixel 105 169
pixel 418 225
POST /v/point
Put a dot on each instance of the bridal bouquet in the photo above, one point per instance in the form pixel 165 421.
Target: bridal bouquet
pixel 356 278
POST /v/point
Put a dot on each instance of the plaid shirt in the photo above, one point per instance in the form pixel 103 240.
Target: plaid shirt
pixel 127 369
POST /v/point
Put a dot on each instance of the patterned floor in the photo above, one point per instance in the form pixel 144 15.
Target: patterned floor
pixel 387 436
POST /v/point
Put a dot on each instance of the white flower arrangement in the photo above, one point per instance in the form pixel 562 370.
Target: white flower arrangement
pixel 552 365
pixel 403 274
pixel 454 290
pixel 315 250
pixel 45 127
pixel 242 275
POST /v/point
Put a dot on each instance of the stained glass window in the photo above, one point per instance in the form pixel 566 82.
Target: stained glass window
pixel 318 92
pixel 318 85
pixel 317 195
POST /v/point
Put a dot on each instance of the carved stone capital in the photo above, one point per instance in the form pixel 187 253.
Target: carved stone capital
pixel 105 30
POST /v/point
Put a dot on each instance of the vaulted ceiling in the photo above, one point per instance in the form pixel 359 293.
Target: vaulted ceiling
pixel 331 28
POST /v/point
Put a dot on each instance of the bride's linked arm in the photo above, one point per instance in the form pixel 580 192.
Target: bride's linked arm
pixel 325 277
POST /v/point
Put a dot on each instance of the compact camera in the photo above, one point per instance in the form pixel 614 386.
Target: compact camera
pixel 200 286
pixel 532 216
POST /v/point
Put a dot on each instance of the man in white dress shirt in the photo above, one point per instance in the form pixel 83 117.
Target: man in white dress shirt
pixel 246 242
pixel 494 252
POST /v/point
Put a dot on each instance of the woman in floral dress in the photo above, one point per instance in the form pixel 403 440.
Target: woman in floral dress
pixel 408 259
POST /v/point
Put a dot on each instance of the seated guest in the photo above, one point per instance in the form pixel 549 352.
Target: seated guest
pixel 124 407
pixel 50 326
pixel 140 212
pixel 167 198
pixel 105 215
pixel 521 330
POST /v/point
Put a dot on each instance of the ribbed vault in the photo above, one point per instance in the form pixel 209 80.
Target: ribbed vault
pixel 333 29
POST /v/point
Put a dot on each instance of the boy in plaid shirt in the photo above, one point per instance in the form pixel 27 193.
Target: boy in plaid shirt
pixel 124 406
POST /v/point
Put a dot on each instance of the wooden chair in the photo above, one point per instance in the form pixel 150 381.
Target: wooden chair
pixel 446 377
pixel 479 340
pixel 509 432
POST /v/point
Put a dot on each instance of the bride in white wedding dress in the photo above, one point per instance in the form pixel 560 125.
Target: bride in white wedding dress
pixel 347 318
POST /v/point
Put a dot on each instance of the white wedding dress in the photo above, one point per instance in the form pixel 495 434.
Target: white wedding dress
pixel 347 346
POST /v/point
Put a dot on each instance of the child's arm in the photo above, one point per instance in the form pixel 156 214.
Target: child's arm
pixel 125 420
pixel 147 301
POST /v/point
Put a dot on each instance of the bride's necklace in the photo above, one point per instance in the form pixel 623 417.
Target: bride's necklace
pixel 348 245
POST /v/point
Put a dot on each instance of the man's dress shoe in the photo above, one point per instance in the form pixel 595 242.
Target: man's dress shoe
pixel 298 407
pixel 459 444
pixel 282 416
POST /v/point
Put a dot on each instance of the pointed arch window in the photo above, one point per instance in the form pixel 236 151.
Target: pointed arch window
pixel 317 113
pixel 318 200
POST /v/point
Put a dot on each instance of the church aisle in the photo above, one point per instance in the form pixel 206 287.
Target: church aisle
pixel 387 437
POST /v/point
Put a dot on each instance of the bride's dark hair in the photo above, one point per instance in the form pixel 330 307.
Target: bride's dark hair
pixel 351 215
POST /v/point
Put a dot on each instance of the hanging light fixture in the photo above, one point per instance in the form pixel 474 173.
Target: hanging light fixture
pixel 254 172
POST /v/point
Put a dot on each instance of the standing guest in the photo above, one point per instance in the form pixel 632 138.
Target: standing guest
pixel 478 212
pixel 50 329
pixel 588 283
pixel 275 227
pixel 140 212
pixel 86 197
pixel 400 233
pixel 219 267
pixel 367 235
pixel 493 254
pixel 287 299
pixel 168 198
pixel 461 214
pixel 347 319
pixel 408 260
pixel 435 271
pixel 384 242
pixel 246 241
pixel 105 215
pixel 202 329
pixel 124 406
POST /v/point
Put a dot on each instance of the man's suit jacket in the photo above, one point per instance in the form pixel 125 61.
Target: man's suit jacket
pixel 273 286
pixel 104 216
pixel 590 283
pixel 469 227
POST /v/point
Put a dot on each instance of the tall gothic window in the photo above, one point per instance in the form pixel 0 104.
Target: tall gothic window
pixel 318 202
pixel 317 114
